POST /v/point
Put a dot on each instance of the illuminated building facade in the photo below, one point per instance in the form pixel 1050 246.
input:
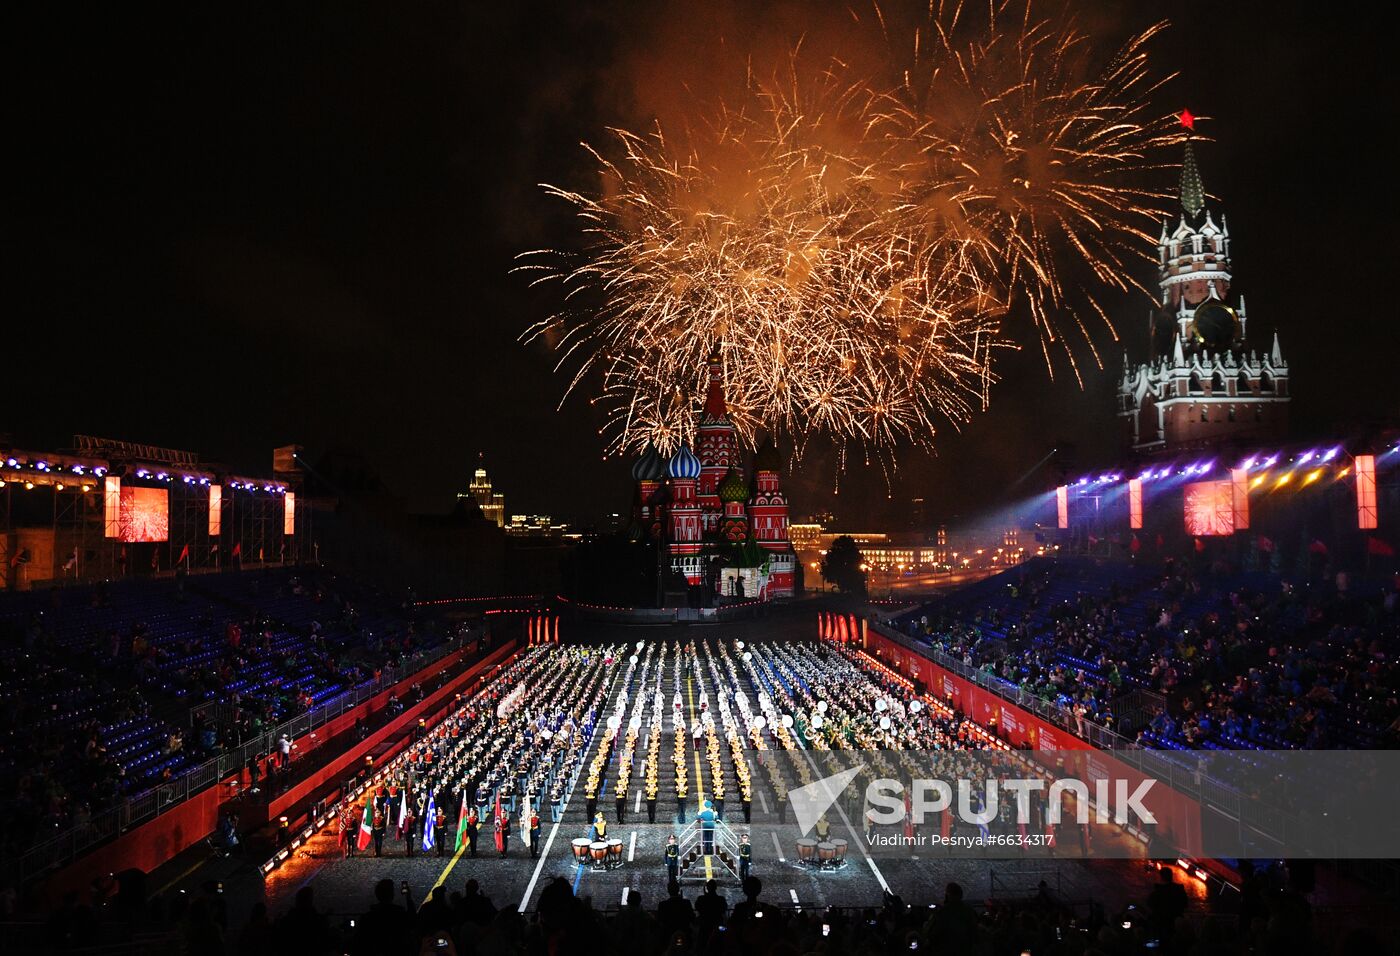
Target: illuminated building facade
pixel 492 504
pixel 1201 384
pixel 699 506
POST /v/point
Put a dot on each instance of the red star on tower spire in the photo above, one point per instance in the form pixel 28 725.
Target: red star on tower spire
pixel 1187 120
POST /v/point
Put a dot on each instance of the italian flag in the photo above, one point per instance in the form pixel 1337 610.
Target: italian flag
pixel 366 826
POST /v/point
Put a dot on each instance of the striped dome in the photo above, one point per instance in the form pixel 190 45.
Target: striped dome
pixel 683 464
pixel 649 467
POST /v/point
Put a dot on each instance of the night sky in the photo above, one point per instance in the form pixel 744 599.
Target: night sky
pixel 229 231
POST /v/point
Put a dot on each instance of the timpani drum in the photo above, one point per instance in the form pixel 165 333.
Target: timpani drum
pixel 599 851
pixel 840 857
pixel 581 849
pixel 826 853
pixel 806 851
pixel 614 853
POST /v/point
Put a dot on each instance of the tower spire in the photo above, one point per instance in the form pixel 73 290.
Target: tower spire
pixel 1193 194
pixel 715 406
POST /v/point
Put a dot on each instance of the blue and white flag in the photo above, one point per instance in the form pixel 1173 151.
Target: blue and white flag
pixel 428 819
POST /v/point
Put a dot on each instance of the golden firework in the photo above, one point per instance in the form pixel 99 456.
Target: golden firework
pixel 851 244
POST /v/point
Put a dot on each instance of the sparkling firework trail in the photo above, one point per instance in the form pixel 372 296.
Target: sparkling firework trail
pixel 850 245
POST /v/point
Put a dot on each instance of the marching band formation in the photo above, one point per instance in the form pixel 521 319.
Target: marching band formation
pixel 515 750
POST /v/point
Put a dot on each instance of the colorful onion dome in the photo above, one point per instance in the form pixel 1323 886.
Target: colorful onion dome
pixel 683 464
pixel 732 486
pixel 649 467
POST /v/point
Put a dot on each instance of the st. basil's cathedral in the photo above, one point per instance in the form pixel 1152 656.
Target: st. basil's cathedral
pixel 702 509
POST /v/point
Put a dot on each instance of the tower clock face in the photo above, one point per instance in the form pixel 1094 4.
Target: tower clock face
pixel 1215 325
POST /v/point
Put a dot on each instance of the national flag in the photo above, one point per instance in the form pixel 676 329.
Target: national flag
pixel 1380 547
pixel 237 548
pixel 366 826
pixel 184 554
pixel 462 823
pixel 428 818
pixel 72 561
pixel 403 809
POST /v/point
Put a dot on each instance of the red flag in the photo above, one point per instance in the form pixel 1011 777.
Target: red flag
pixel 1380 546
pixel 238 549
pixel 1317 547
pixel 1135 546
pixel 1200 545
pixel 184 553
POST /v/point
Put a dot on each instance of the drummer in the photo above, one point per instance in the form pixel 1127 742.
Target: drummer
pixel 823 829
pixel 600 826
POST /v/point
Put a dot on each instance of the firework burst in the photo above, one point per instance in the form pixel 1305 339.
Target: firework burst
pixel 851 246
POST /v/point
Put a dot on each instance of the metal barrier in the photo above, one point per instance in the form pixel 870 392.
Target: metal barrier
pixel 135 810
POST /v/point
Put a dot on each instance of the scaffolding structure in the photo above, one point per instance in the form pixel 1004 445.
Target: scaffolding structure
pixel 58 527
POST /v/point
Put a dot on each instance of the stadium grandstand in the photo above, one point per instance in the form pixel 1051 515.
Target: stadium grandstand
pixel 213 756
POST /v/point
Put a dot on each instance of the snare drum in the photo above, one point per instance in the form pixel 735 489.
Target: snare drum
pixel 581 849
pixel 826 852
pixel 614 853
pixel 806 850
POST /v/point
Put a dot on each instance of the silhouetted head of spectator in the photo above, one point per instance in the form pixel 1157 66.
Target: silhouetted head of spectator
pixel 953 894
pixel 673 889
pixel 384 891
pixel 711 887
pixel 305 898
pixel 473 887
pixel 752 887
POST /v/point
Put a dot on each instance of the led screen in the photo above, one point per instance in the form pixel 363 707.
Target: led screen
pixel 1210 508
pixel 144 515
